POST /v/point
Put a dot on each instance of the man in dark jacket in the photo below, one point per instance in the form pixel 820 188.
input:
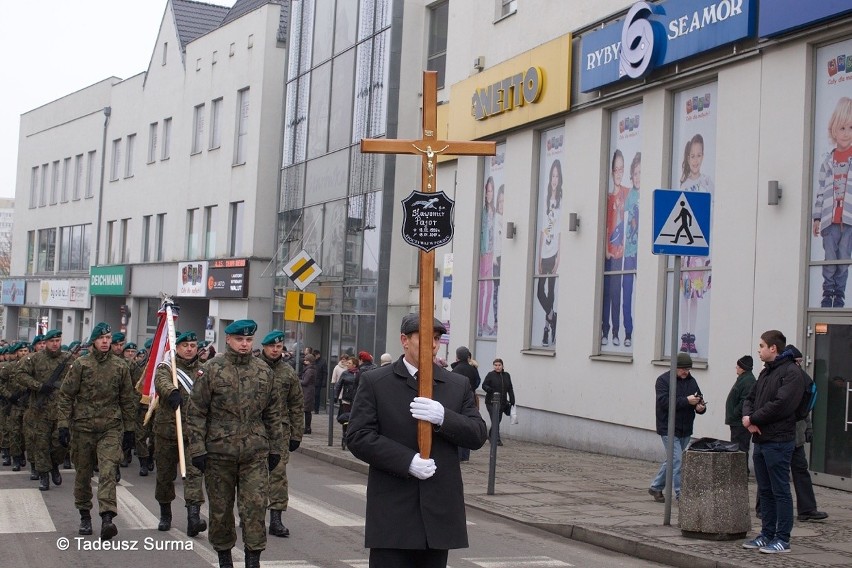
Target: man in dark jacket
pixel 463 367
pixel 769 413
pixel 688 402
pixel 734 405
pixel 415 506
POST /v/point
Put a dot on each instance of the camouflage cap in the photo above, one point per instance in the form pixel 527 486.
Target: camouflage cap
pixel 101 328
pixel 274 336
pixel 244 327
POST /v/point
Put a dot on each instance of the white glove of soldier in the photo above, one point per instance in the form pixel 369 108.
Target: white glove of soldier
pixel 427 409
pixel 420 468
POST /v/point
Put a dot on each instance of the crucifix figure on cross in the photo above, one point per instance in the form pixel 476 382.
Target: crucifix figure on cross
pixel 425 147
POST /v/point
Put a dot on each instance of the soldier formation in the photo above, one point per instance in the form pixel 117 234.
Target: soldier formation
pixel 82 406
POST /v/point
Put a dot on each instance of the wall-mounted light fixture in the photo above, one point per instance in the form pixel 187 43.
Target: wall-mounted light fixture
pixel 479 63
pixel 774 192
pixel 511 230
pixel 68 319
pixel 573 222
pixel 86 320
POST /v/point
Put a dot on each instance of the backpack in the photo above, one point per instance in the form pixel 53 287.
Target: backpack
pixel 806 405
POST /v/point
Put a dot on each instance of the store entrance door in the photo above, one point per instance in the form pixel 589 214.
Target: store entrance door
pixel 829 362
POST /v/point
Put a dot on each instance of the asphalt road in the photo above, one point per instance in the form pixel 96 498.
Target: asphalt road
pixel 325 517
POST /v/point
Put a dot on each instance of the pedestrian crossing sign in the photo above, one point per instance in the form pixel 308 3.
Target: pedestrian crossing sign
pixel 681 222
pixel 302 270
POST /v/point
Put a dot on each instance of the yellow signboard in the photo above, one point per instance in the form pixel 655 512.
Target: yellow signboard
pixel 300 306
pixel 302 270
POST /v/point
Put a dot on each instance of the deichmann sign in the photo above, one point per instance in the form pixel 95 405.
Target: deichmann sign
pixel 511 92
pixel 109 280
pixel 653 35
pixel 64 294
pixel 13 292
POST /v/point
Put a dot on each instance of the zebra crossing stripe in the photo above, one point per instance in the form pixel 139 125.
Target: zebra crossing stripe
pixel 24 511
pixel 518 562
pixel 132 513
pixel 324 512
pixel 357 489
pixel 276 564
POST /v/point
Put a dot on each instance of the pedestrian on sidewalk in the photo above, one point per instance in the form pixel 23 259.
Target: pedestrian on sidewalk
pixel 734 404
pixel 769 414
pixel 308 381
pixel 463 367
pixel 688 402
pixel 498 384
pixel 415 506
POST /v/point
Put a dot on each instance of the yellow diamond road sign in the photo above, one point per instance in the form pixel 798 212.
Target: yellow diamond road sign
pixel 302 270
pixel 300 306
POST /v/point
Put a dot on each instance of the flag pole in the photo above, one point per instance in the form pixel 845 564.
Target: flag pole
pixel 178 426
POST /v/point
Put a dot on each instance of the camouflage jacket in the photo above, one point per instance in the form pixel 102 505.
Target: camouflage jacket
pixel 17 393
pixel 234 409
pixel 96 395
pixel 292 398
pixel 5 368
pixel 164 418
pixel 35 370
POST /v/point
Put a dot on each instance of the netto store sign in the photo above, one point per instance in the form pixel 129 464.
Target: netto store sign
pixel 109 281
pixel 511 92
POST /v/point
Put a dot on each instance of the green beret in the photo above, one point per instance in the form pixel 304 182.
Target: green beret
pixel 241 327
pixel 63 348
pixel 202 344
pixel 52 334
pixel 84 352
pixel 274 336
pixel 73 345
pixel 101 328
pixel 37 339
pixel 149 342
pixel 20 345
pixel 186 336
pixel 117 337
pixel 3 350
pixel 130 345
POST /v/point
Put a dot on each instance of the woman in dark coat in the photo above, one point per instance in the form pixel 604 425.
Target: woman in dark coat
pixel 308 382
pixel 498 384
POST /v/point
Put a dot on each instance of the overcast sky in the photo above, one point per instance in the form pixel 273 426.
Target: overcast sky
pixel 54 47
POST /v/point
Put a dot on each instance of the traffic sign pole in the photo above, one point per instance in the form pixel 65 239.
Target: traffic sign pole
pixel 667 515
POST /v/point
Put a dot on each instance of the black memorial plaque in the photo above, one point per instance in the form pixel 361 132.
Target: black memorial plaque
pixel 427 221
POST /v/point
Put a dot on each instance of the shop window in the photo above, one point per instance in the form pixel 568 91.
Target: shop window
pixel 491 229
pixel 436 59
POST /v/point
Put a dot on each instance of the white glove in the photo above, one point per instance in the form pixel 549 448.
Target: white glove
pixel 420 468
pixel 427 409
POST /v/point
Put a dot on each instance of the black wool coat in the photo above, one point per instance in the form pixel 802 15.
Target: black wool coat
pixel 404 512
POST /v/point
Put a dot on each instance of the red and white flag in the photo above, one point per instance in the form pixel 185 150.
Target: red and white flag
pixel 160 348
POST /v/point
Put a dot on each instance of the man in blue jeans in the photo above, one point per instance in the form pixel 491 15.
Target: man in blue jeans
pixel 688 403
pixel 769 413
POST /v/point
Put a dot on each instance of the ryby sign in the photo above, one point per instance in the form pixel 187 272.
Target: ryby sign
pixel 653 35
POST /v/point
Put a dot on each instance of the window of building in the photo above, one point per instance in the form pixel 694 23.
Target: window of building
pixel 34 188
pixel 31 244
pixel 128 158
pixel 236 230
pixel 116 159
pixel 54 183
pixel 216 123
pixel 66 174
pixel 240 148
pixel 210 231
pixel 158 243
pixel 78 177
pixel 123 241
pixel 147 238
pixel 111 242
pixel 620 244
pixel 193 234
pixel 46 250
pixel 547 238
pixel 198 129
pixel 90 174
pixel 507 7
pixel 165 52
pixel 74 248
pixel 437 56
pixel 42 196
pixel 167 138
pixel 152 142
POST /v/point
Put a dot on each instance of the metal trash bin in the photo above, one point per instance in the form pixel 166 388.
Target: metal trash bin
pixel 714 491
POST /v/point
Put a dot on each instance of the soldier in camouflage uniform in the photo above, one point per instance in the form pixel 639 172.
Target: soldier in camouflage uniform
pixel 42 374
pixel 17 402
pixel 287 383
pixel 143 431
pixel 235 434
pixel 4 407
pixel 165 429
pixel 96 401
pixel 29 419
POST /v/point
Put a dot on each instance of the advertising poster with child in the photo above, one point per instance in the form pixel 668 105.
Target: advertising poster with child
pixel 693 169
pixel 831 204
pixel 491 228
pixel 622 230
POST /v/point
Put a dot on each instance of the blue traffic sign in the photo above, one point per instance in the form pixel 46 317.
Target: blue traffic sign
pixel 681 222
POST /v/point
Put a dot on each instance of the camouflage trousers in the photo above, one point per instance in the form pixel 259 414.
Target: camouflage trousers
pixel 143 431
pixel 222 477
pixel 15 428
pixel 278 490
pixel 166 456
pixel 46 450
pixel 29 418
pixel 4 433
pixel 101 449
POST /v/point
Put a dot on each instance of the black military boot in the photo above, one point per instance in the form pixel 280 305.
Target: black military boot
pixel 85 522
pixel 7 459
pixel 143 467
pixel 67 463
pixel 194 523
pixel 252 559
pixel 55 476
pixel 34 476
pixel 44 481
pixel 225 560
pixel 125 459
pixel 117 474
pixel 108 529
pixel 16 463
pixel 276 527
pixel 151 460
pixel 165 517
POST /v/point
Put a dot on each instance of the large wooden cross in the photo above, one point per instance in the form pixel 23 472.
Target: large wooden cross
pixel 428 147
